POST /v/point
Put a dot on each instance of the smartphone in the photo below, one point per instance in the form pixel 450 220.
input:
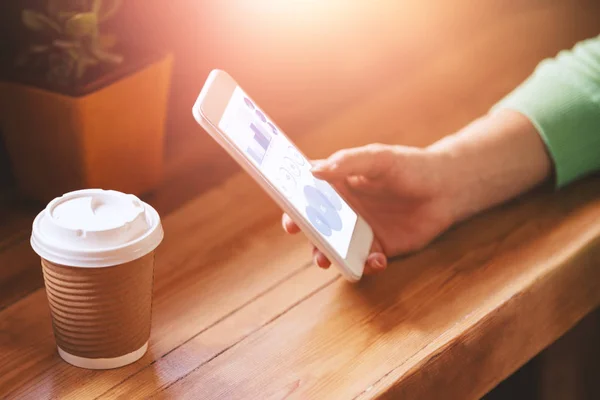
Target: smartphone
pixel 247 133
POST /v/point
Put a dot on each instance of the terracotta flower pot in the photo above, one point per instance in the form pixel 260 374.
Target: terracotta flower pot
pixel 111 138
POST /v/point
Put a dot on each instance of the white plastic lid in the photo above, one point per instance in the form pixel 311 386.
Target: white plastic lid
pixel 96 228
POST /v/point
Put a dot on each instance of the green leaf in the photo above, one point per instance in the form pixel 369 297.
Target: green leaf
pixel 32 21
pixel 74 54
pixel 53 8
pixel 62 16
pixel 107 57
pixel 107 42
pixel 81 25
pixel 38 22
pixel 110 11
pixel 65 44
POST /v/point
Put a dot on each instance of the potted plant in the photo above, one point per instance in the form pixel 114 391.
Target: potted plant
pixel 81 109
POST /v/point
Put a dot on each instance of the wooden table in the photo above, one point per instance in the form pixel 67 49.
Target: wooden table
pixel 239 312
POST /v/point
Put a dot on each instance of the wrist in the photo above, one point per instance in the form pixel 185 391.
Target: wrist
pixel 490 161
pixel 455 178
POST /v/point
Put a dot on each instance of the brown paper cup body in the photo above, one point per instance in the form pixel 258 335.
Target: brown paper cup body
pixel 101 316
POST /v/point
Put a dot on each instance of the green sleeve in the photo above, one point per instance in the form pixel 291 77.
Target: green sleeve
pixel 562 99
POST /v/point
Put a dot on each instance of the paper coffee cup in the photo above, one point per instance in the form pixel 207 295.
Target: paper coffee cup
pixel 97 250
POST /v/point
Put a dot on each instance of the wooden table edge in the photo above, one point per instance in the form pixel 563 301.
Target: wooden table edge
pixel 476 344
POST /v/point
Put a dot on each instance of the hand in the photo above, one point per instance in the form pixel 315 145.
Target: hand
pixel 398 190
pixel 411 195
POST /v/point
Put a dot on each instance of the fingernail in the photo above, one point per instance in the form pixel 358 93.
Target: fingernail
pixel 378 263
pixel 316 261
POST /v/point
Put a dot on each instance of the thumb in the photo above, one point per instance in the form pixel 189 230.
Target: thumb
pixel 369 161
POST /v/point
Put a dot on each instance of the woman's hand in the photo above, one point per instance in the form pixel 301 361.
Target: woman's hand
pixel 400 191
pixel 410 195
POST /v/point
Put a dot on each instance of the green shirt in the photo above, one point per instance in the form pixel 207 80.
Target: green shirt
pixel 562 99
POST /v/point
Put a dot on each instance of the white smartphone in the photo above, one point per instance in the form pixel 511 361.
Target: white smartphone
pixel 246 132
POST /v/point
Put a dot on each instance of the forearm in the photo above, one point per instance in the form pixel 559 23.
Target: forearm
pixel 490 161
pixel 562 100
pixel 549 124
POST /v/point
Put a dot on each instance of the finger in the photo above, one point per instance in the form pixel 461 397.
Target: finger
pixel 377 260
pixel 289 225
pixel 320 259
pixel 376 263
pixel 363 185
pixel 369 161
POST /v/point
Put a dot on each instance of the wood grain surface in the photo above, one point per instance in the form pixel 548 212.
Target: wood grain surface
pixel 466 56
pixel 240 313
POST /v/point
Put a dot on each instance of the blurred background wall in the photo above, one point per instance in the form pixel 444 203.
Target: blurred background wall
pixel 302 60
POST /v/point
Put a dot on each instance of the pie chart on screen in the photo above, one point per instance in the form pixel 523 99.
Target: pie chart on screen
pixel 316 219
pixel 325 210
pixel 330 193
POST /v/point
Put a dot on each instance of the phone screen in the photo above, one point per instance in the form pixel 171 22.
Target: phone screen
pixel 287 170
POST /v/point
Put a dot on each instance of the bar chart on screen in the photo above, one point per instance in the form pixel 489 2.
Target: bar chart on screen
pixel 257 148
pixel 288 171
